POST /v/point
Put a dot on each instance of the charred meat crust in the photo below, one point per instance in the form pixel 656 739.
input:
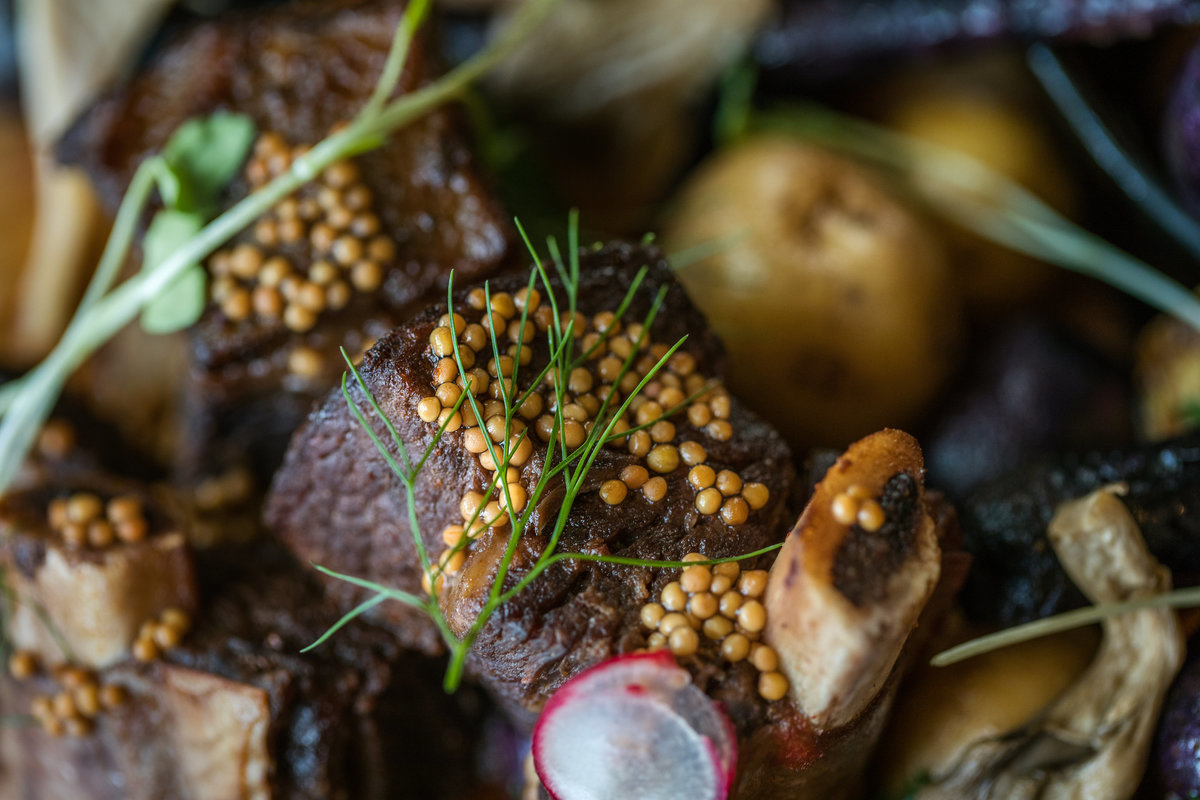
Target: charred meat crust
pixel 335 503
pixel 866 558
pixel 1017 577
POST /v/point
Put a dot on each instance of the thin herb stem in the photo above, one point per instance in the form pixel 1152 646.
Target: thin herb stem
pixel 414 15
pixel 1106 149
pixel 541 567
pixel 27 411
pixel 362 421
pixel 1180 598
pixel 360 609
pixel 124 229
pixel 990 204
pixel 392 594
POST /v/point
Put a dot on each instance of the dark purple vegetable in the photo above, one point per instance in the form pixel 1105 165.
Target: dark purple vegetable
pixel 1179 734
pixel 1030 390
pixel 1181 132
pixel 1097 122
pixel 811 40
pixel 1015 576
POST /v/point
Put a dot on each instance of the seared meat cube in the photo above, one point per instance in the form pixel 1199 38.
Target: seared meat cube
pixel 87 563
pixel 235 710
pixel 334 265
pixel 712 479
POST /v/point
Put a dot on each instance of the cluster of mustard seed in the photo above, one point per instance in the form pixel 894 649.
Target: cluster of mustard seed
pixel 649 432
pixel 79 701
pixel 84 520
pixel 855 505
pixel 722 603
pixel 158 635
pixel 332 220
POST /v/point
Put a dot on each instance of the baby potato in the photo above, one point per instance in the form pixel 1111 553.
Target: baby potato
pixel 834 300
pixel 996 132
pixel 941 710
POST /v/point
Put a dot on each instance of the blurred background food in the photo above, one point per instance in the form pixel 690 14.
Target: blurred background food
pixel 837 303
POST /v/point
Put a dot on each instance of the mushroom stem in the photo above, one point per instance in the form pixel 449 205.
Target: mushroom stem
pixel 1093 741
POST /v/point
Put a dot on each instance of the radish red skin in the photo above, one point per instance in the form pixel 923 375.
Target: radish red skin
pixel 723 759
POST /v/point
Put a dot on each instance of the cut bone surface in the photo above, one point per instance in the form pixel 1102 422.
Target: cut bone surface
pixel 841 600
pixel 1093 741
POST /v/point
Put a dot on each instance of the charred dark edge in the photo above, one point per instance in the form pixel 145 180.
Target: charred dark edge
pixel 865 560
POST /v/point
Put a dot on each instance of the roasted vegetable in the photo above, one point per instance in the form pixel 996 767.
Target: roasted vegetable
pixel 1179 734
pixel 1093 741
pixel 1016 577
pixel 943 709
pixel 814 40
pixel 1167 375
pixel 1028 390
pixel 1181 132
pixel 615 117
pixel 835 301
pixel 982 122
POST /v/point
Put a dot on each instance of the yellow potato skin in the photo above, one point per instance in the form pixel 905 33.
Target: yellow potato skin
pixel 941 710
pixel 835 301
pixel 999 135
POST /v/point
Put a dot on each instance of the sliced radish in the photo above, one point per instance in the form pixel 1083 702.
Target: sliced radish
pixel 634 726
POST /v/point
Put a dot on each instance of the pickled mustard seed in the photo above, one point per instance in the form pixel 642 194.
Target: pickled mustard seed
pixel 334 226
pixel 655 489
pixel 732 622
pixel 853 506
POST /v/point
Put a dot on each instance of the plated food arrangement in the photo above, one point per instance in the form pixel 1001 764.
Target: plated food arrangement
pixel 581 399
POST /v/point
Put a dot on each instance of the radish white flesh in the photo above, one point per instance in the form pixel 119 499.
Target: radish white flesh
pixel 634 726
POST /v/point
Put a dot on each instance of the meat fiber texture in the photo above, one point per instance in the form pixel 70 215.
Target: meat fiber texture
pixel 335 503
pixel 298 71
pixel 237 711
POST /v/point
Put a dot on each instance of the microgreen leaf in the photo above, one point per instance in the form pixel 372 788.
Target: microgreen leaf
pixel 104 311
pixel 182 302
pixel 204 154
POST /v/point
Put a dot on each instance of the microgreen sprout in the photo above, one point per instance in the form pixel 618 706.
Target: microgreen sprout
pixel 25 404
pixel 565 468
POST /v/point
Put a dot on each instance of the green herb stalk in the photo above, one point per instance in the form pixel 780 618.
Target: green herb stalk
pixel 26 405
pixel 564 467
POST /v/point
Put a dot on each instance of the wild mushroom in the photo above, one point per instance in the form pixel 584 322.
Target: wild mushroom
pixel 1093 741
